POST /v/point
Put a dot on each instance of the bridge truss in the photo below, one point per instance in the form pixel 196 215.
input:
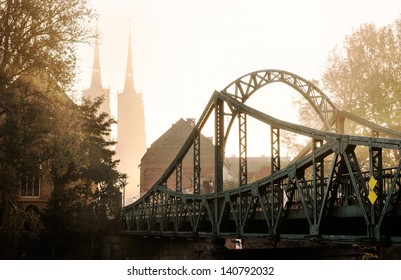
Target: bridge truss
pixel 330 192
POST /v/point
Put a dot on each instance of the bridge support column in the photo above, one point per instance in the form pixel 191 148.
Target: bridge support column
pixel 318 187
pixel 243 170
pixel 314 230
pixel 218 160
pixel 374 232
pixel 197 167
pixel 219 144
pixel 275 149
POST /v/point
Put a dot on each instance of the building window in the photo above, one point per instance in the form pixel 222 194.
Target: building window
pixel 30 182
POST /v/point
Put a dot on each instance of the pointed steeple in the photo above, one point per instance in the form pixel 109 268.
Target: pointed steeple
pixel 96 89
pixel 96 81
pixel 129 73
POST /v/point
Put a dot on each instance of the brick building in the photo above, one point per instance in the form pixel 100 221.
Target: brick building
pixel 35 190
pixel 163 151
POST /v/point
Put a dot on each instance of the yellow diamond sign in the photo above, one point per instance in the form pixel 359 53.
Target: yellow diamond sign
pixel 372 183
pixel 372 195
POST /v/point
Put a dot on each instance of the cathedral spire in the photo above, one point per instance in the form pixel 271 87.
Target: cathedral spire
pixel 96 81
pixel 129 73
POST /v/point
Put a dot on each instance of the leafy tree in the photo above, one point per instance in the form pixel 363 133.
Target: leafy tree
pixel 86 183
pixel 41 126
pixel 41 35
pixel 363 75
pixel 37 66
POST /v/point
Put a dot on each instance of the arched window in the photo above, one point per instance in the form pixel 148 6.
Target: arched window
pixel 32 208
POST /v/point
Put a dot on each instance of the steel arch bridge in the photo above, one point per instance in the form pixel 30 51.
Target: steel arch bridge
pixel 329 192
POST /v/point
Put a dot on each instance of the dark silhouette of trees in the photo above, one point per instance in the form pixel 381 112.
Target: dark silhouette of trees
pixel 42 128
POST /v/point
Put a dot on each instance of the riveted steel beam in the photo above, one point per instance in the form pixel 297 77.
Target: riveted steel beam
pixel 197 164
pixel 275 149
pixel 243 166
pixel 178 177
pixel 219 144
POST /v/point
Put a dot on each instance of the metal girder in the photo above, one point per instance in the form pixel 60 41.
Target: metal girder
pixel 246 85
pixel 197 164
pixel 317 185
pixel 178 177
pixel 269 199
pixel 376 172
pixel 332 186
pixel 243 166
pixel 393 197
pixel 219 144
pixel 357 180
pixel 242 208
pixel 275 149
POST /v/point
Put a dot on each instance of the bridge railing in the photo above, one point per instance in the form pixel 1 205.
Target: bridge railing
pixel 346 194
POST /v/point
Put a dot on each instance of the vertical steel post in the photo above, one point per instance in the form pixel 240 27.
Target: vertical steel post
pixel 317 190
pixel 219 144
pixel 178 177
pixel 218 159
pixel 243 166
pixel 197 167
pixel 275 149
pixel 276 195
pixel 376 171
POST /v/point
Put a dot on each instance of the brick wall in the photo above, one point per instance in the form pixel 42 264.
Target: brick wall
pixel 163 151
pixel 45 191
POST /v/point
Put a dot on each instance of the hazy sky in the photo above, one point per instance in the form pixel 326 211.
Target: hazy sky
pixel 184 50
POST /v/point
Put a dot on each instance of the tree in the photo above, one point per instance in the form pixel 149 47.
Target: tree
pixel 41 35
pixel 37 67
pixel 86 182
pixel 41 126
pixel 364 74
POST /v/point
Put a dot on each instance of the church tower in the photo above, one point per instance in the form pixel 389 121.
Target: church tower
pixel 96 89
pixel 131 135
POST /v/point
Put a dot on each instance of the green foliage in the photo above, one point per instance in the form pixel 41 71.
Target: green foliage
pixel 41 126
pixel 87 184
pixel 362 77
pixel 41 35
pixel 363 74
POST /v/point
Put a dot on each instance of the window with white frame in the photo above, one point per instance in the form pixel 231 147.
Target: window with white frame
pixel 30 182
